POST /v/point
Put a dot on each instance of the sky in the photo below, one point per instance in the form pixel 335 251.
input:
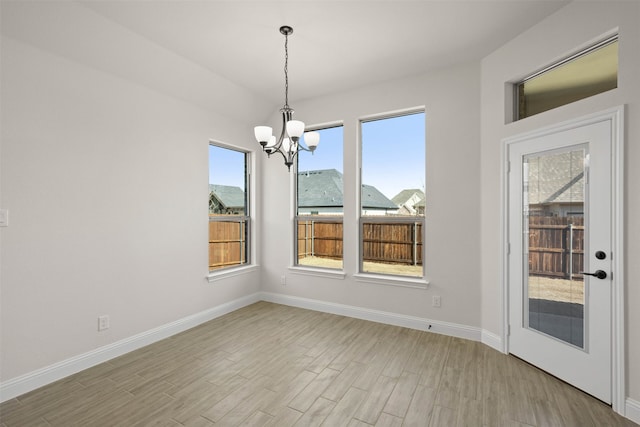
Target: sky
pixel 393 155
pixel 226 167
pixel 384 165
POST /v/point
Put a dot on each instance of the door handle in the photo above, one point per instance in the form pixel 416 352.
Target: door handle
pixel 599 274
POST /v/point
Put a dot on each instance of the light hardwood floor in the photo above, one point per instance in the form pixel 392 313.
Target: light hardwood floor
pixel 269 364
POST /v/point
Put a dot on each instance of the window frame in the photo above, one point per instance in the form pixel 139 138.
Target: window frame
pixel 420 282
pixel 296 267
pixel 247 218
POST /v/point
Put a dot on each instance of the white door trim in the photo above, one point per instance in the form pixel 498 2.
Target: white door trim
pixel 616 116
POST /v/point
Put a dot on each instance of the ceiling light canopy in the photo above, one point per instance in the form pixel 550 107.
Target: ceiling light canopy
pixel 289 143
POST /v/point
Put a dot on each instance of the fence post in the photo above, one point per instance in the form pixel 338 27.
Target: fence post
pixel 313 236
pixel 571 251
pixel 415 243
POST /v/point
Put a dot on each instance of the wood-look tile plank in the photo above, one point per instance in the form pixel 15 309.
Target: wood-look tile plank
pixel 357 423
pixel 421 406
pixel 317 413
pixel 253 403
pixel 293 388
pixel 258 419
pixel 388 420
pixel 372 406
pixel 404 350
pixel 196 405
pixel 402 394
pixel 442 417
pixel 344 410
pixel 303 401
pixel 235 398
pixel 286 417
pixel 343 381
pixel 198 422
pixel 322 360
pixel 71 407
pixel 469 413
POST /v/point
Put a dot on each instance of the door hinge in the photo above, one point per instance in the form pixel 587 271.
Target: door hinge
pixel 508 330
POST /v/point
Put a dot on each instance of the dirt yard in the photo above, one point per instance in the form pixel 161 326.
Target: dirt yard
pixel 556 289
pixel 539 287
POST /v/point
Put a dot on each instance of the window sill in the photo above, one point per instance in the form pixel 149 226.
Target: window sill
pixel 318 272
pixel 231 272
pixel 378 279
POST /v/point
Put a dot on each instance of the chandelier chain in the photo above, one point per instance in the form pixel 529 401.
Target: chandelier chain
pixel 286 71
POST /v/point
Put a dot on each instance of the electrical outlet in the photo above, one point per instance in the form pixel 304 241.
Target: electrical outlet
pixel 103 323
pixel 283 280
pixel 435 301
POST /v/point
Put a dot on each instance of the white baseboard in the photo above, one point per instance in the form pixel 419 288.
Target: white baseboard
pixel 632 410
pixel 412 322
pixel 492 340
pixel 41 377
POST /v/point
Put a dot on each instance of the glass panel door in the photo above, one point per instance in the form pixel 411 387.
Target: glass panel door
pixel 554 235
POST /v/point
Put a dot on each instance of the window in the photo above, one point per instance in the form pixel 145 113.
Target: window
pixel 587 73
pixel 319 203
pixel 393 201
pixel 229 214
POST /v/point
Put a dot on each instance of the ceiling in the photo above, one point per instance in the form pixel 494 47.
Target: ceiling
pixel 228 56
pixel 336 45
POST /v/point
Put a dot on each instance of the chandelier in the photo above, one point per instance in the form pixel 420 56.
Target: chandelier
pixel 288 144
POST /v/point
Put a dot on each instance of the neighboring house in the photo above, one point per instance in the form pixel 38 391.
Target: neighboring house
pixel 321 192
pixel 556 184
pixel 410 202
pixel 225 199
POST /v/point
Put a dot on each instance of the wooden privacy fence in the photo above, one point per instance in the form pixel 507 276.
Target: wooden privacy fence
pixel 385 242
pixel 320 239
pixel 227 243
pixel 556 246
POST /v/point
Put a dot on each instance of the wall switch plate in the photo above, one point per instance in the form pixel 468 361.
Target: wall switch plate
pixel 103 323
pixel 436 302
pixel 283 280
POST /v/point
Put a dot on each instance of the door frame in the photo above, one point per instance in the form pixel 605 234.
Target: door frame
pixel 616 117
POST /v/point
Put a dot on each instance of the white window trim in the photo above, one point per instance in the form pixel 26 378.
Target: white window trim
pixel 294 267
pixel 216 276
pixel 251 266
pixel 392 280
pixel 375 278
pixel 328 273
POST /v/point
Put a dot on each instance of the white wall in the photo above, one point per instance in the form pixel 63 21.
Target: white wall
pixel 553 38
pixel 451 98
pixel 106 182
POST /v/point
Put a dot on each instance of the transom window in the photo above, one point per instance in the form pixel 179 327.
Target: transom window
pixel 587 73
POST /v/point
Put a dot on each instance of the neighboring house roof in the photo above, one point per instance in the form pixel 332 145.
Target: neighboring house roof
pixel 556 178
pixel 405 195
pixel 229 196
pixel 372 198
pixel 320 188
pixel 323 188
